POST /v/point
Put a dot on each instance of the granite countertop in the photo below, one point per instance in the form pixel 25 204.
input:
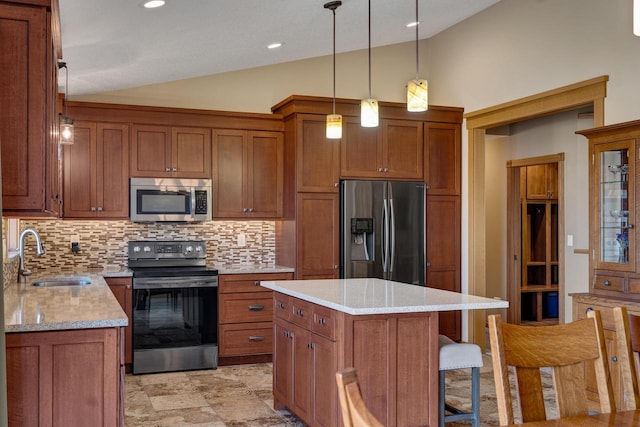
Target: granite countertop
pixel 252 269
pixel 377 296
pixel 30 308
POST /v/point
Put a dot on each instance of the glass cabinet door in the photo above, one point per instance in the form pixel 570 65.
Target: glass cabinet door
pixel 615 215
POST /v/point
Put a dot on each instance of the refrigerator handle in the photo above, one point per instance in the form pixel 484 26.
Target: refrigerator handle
pixel 392 242
pixel 385 236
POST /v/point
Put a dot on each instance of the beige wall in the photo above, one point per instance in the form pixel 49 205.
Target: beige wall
pixel 513 49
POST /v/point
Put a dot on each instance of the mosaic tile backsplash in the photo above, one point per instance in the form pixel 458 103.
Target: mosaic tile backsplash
pixel 104 243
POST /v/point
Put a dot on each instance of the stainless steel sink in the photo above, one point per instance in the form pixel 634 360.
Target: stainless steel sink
pixel 71 281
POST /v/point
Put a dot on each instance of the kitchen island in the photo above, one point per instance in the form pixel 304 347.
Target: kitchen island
pixel 64 353
pixel 387 330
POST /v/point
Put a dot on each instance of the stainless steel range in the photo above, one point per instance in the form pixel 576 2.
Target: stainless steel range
pixel 175 306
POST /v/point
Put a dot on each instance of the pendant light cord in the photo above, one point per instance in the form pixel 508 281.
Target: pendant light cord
pixel 369 49
pixel 334 61
pixel 417 51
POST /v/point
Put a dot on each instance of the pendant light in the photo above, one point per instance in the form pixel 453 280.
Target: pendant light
pixel 417 89
pixel 334 121
pixel 369 106
pixel 66 123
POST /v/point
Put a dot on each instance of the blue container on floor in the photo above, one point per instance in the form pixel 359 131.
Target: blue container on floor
pixel 551 304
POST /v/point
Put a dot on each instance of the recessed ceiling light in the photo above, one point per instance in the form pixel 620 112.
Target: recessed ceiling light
pixel 152 4
pixel 274 45
pixel 412 24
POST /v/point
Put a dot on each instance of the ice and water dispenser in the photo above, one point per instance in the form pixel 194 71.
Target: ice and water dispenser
pixel 362 239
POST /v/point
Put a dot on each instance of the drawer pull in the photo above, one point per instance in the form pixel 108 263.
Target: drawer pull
pixel 614 358
pixel 256 307
pixel 606 283
pixel 281 305
pixel 256 282
pixel 256 338
pixel 588 309
pixel 299 313
pixel 322 321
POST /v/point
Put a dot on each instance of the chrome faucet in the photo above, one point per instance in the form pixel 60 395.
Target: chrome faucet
pixel 23 272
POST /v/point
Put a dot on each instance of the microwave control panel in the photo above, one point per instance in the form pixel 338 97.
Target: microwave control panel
pixel 201 202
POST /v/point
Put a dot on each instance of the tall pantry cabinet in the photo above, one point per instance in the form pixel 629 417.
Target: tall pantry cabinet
pixel 421 146
pixel 30 46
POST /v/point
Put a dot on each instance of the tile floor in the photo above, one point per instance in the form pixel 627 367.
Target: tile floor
pixel 240 396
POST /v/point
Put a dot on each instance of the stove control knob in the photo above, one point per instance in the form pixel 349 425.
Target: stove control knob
pixel 198 248
pixel 189 249
pixel 147 249
pixel 136 249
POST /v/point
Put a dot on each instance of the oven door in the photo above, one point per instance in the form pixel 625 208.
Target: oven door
pixel 175 323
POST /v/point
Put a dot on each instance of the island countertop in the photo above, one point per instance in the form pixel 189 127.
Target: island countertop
pixel 377 296
pixel 30 308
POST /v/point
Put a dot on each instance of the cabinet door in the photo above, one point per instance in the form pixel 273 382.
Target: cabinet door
pixel 53 177
pixel 317 158
pixel 191 152
pixel 324 367
pixel 23 103
pixel 282 359
pixel 613 206
pixel 150 151
pixel 79 172
pixel 542 181
pixel 443 255
pixel 318 233
pixel 112 170
pixel 442 158
pixel 301 390
pixel 360 151
pixel 402 149
pixel 265 174
pixel 121 287
pixel 229 172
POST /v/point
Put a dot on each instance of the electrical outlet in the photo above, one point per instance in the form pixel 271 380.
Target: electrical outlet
pixel 242 240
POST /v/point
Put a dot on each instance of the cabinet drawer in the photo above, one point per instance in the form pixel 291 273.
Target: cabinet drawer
pixel 301 313
pixel 282 306
pixel 324 322
pixel 248 282
pixel 609 283
pixel 634 286
pixel 246 339
pixel 606 313
pixel 252 307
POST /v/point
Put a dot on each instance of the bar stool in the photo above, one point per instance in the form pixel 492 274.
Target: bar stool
pixel 459 356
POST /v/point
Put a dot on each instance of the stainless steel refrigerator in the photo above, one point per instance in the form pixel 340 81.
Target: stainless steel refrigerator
pixel 382 230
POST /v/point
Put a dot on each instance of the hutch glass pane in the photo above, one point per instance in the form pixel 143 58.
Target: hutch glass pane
pixel 614 206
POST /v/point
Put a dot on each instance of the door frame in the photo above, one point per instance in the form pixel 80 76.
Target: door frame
pixel 586 93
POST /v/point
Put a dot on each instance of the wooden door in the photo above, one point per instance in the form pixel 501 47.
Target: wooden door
pixel 301 391
pixel 150 151
pixel 229 173
pixel 121 287
pixel 323 368
pixel 360 151
pixel 442 158
pixel 79 172
pixel 282 360
pixel 265 174
pixel 23 106
pixel 402 149
pixel 191 152
pixel 112 170
pixel 443 255
pixel 317 158
pixel 318 230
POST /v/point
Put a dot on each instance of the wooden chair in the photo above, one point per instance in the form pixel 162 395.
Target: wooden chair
pixel 628 342
pixel 564 348
pixel 354 410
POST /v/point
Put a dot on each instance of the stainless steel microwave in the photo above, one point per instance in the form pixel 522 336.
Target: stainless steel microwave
pixel 170 199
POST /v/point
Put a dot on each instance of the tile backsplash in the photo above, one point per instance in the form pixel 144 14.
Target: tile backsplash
pixel 104 243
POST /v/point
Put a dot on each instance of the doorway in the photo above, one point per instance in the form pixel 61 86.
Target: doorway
pixel 534 249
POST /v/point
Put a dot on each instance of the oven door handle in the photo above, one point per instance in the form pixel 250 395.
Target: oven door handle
pixel 174 283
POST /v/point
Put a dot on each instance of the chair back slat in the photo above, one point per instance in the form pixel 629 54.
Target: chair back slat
pixel 627 355
pixel 530 394
pixel 354 411
pixel 564 348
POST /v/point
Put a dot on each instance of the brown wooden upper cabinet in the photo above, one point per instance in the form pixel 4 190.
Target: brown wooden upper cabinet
pixel 317 158
pixel 392 150
pixel 96 171
pixel 162 151
pixel 542 181
pixel 248 170
pixel 442 158
pixel 29 123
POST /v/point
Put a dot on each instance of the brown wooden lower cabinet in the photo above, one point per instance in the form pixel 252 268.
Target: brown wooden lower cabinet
pixel 122 289
pixel 395 355
pixel 583 303
pixel 65 378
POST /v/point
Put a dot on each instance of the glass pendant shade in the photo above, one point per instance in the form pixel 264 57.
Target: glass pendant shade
pixel 369 113
pixel 417 95
pixel 66 131
pixel 334 126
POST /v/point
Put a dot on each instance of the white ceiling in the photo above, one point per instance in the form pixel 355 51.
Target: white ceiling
pixel 116 44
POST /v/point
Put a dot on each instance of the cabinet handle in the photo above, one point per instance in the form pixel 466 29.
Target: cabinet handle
pixel 300 313
pixel 379 169
pixel 322 321
pixel 386 169
pixel 281 305
pixel 311 345
pixel 588 309
pixel 127 287
pixel 286 334
pixel 244 210
pixel 614 358
pixel 99 208
pixel 174 169
pixel 629 226
pixel 336 266
pixel 256 307
pixel 93 209
pixel 336 184
pixel 606 283
pixel 167 169
pixel 256 283
pixel 256 338
pixel 250 210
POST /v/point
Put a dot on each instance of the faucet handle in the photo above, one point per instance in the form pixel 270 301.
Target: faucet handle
pixel 26 272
